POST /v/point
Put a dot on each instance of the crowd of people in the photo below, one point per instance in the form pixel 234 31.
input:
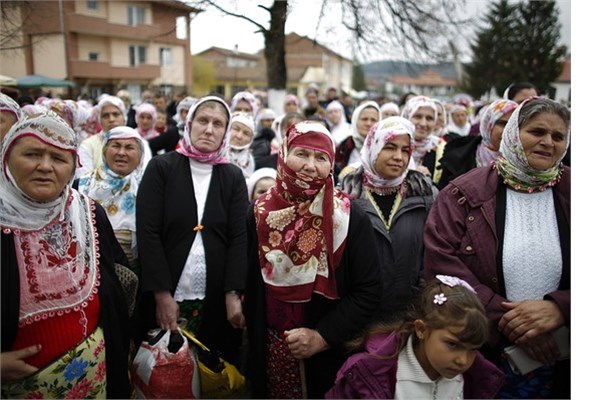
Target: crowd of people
pixel 341 249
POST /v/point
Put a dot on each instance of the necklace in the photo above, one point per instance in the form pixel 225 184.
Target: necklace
pixel 395 207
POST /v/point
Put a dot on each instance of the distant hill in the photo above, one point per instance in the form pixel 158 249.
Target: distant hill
pixel 384 69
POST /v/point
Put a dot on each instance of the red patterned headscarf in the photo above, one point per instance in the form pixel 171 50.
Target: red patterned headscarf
pixel 302 224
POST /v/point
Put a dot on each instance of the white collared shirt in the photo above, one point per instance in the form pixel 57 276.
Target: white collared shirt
pixel 413 383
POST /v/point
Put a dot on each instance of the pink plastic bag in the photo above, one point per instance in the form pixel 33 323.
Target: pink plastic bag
pixel 165 368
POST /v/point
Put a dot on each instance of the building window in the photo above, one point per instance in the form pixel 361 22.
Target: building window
pixel 92 5
pixel 137 55
pixel 93 56
pixel 166 57
pixel 136 15
pixel 181 28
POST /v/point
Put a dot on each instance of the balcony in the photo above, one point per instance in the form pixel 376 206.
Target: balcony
pixel 103 70
pixel 101 27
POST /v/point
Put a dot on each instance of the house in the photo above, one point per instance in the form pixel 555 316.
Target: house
pixel 562 85
pixel 229 71
pixel 101 45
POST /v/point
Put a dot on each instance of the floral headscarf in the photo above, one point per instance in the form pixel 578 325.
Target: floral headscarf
pixel 380 134
pixel 492 113
pixel 512 163
pixel 55 242
pixel 422 146
pixel 356 137
pixel 7 104
pixel 17 210
pixel 108 100
pixel 302 224
pixel 116 193
pixel 186 148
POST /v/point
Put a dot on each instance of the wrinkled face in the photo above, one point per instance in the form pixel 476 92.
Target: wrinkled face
pixel 424 121
pixel 460 118
pixel 262 186
pixel 544 140
pixel 7 120
pixel 40 170
pixel 393 158
pixel 243 106
pixel 240 134
pixel 334 115
pixel 208 128
pixel 122 155
pixel 367 118
pixel 524 94
pixel 110 117
pixel 496 134
pixel 309 164
pixel 441 353
pixel 145 121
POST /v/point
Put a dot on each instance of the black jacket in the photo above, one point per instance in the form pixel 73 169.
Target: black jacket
pixel 166 214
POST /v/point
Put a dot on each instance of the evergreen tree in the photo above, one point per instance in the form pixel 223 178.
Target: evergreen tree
pixel 519 43
pixel 493 51
pixel 541 56
pixel 358 78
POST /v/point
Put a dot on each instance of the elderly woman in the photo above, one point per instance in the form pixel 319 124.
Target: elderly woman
pixel 364 117
pixel 314 277
pixel 505 229
pixel 422 112
pixel 467 152
pixel 115 185
pixel 397 201
pixel 240 139
pixel 191 233
pixel 110 113
pixel 10 114
pixel 63 323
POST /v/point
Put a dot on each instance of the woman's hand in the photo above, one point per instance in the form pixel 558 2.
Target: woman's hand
pixel 234 310
pixel 528 319
pixel 12 366
pixel 304 342
pixel 543 349
pixel 167 310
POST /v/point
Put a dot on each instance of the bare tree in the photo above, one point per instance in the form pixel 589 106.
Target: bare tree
pixel 417 30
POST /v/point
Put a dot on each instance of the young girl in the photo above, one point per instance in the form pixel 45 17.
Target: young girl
pixel 430 354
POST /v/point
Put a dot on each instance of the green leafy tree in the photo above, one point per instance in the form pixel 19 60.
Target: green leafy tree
pixel 517 43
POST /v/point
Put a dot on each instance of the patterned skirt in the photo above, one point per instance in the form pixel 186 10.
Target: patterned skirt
pixel 285 377
pixel 79 374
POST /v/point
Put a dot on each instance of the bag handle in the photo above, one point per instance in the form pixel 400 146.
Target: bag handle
pixel 176 340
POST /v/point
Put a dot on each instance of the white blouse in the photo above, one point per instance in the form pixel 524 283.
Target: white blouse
pixel 192 283
pixel 531 257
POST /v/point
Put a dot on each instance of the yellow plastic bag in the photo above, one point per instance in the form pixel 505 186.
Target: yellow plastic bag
pixel 218 378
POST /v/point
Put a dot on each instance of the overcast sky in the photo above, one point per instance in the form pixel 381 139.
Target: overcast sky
pixel 211 28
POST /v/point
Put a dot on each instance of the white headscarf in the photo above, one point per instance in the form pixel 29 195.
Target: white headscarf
pixel 356 137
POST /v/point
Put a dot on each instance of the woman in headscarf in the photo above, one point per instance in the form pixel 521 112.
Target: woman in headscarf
pixel 505 229
pixel 459 125
pixel 465 153
pixel 245 102
pixel 422 112
pixel 115 185
pixel 191 231
pixel 240 139
pixel 397 201
pixel 363 118
pixel 10 114
pixel 261 180
pixel 340 128
pixel 314 277
pixel 64 327
pixel 145 118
